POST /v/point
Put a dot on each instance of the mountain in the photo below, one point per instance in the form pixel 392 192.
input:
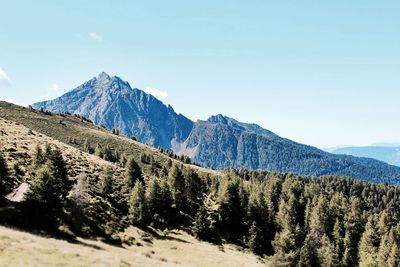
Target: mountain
pixel 219 142
pixel 222 142
pixel 91 213
pixel 387 154
pixel 111 102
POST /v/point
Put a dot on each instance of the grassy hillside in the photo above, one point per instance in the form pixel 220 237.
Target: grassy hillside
pixel 64 127
pixel 174 248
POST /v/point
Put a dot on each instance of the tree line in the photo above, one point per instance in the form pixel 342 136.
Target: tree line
pixel 294 221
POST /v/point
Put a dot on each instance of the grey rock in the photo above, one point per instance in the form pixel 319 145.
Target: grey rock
pixel 111 102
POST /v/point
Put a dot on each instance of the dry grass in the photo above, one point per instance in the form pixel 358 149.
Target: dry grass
pixel 18 143
pixel 172 249
pixel 50 126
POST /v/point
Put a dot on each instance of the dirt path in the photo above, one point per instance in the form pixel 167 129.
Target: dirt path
pixel 18 193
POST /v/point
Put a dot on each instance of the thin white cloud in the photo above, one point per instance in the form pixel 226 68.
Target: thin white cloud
pixel 51 92
pixel 4 79
pixel 54 87
pixel 96 37
pixel 161 95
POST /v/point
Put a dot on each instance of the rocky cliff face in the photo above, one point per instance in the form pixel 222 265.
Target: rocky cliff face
pixel 112 102
pixel 219 142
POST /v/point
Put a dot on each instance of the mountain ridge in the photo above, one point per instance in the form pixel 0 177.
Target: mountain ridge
pixel 218 142
pixel 388 154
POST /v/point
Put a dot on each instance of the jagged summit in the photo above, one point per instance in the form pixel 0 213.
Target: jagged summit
pixel 110 101
pixel 103 75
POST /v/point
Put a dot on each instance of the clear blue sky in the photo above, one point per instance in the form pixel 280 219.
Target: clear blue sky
pixel 324 73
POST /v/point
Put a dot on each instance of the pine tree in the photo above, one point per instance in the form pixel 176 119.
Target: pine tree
pixel 385 248
pixel 353 229
pixel 137 205
pixel 307 254
pixel 3 167
pixel 4 176
pixel 231 215
pixel 108 154
pixel 18 172
pixel 200 226
pixel 205 224
pixel 166 211
pixel 369 244
pixel 338 238
pixel 99 151
pixel 106 182
pixel 177 185
pixel 49 189
pixel 47 150
pixel 38 157
pixel 43 197
pixel 58 167
pixel 287 238
pixel 132 173
pixel 326 252
pixel 87 148
pixel 256 239
pixel 159 201
pixel 193 191
pixel 394 257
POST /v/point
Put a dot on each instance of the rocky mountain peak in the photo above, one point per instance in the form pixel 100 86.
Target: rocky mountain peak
pixel 218 119
pixel 103 76
pixel 110 101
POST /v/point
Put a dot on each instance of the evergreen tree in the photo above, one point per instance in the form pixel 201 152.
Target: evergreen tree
pixel 338 238
pixel 353 229
pixel 369 244
pixel 394 257
pixel 137 205
pixel 3 167
pixel 4 176
pixel 288 237
pixel 159 201
pixel 87 147
pixel 18 172
pixel 108 154
pixel 47 151
pixel 99 151
pixel 44 198
pixel 106 182
pixel 193 191
pixel 200 226
pixel 207 219
pixel 385 248
pixel 166 211
pixel 256 239
pixel 177 185
pixel 231 216
pixel 58 168
pixel 307 255
pixel 132 173
pixel 327 255
pixel 38 156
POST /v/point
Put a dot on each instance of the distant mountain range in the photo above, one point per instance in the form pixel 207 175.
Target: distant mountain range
pixel 218 142
pixel 387 153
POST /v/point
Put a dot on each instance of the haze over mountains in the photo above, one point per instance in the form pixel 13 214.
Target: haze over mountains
pixel 387 153
pixel 218 142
